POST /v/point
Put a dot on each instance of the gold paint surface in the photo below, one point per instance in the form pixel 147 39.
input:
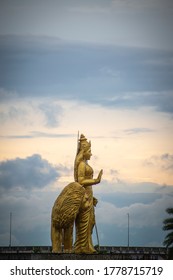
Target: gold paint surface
pixel 75 206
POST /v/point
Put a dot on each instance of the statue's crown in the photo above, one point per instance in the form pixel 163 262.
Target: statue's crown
pixel 83 143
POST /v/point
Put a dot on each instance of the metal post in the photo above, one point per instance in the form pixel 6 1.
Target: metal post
pixel 128 230
pixel 10 228
pixel 97 236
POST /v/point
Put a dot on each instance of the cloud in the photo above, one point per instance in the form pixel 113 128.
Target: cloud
pixel 13 114
pixel 138 130
pixel 113 22
pixel 6 95
pixel 52 113
pixel 161 101
pixel 29 113
pixel 31 217
pixel 142 6
pixel 141 214
pixel 47 63
pixel 38 134
pixel 146 215
pixel 164 161
pixel 89 8
pixel 31 208
pixel 22 188
pixel 28 189
pixel 30 173
pixel 118 77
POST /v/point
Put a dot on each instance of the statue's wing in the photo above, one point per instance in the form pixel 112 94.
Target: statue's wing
pixel 67 205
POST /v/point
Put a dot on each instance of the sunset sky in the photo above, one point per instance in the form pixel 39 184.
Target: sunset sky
pixel 103 68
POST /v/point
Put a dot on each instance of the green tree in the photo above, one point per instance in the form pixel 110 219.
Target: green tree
pixel 168 225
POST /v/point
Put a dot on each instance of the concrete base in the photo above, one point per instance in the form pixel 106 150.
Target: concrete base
pixel 51 256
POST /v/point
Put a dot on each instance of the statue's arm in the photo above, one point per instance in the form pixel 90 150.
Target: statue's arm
pixel 83 180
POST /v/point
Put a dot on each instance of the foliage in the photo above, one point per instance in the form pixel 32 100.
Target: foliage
pixel 36 250
pixel 168 225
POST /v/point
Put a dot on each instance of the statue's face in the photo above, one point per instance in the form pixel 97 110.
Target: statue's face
pixel 87 154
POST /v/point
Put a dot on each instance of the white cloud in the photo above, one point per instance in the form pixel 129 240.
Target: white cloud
pixel 120 138
pixel 31 208
pixel 162 162
pixel 141 215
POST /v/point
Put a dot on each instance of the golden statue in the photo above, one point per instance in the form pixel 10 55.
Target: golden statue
pixel 76 204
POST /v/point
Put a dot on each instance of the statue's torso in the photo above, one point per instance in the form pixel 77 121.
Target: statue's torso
pixel 88 172
pixel 88 196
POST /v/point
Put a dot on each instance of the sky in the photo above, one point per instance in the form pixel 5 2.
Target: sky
pixel 103 68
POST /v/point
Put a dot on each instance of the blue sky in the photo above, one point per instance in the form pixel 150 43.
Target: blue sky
pixel 104 68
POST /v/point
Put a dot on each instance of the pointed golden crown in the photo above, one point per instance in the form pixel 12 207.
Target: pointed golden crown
pixel 83 143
